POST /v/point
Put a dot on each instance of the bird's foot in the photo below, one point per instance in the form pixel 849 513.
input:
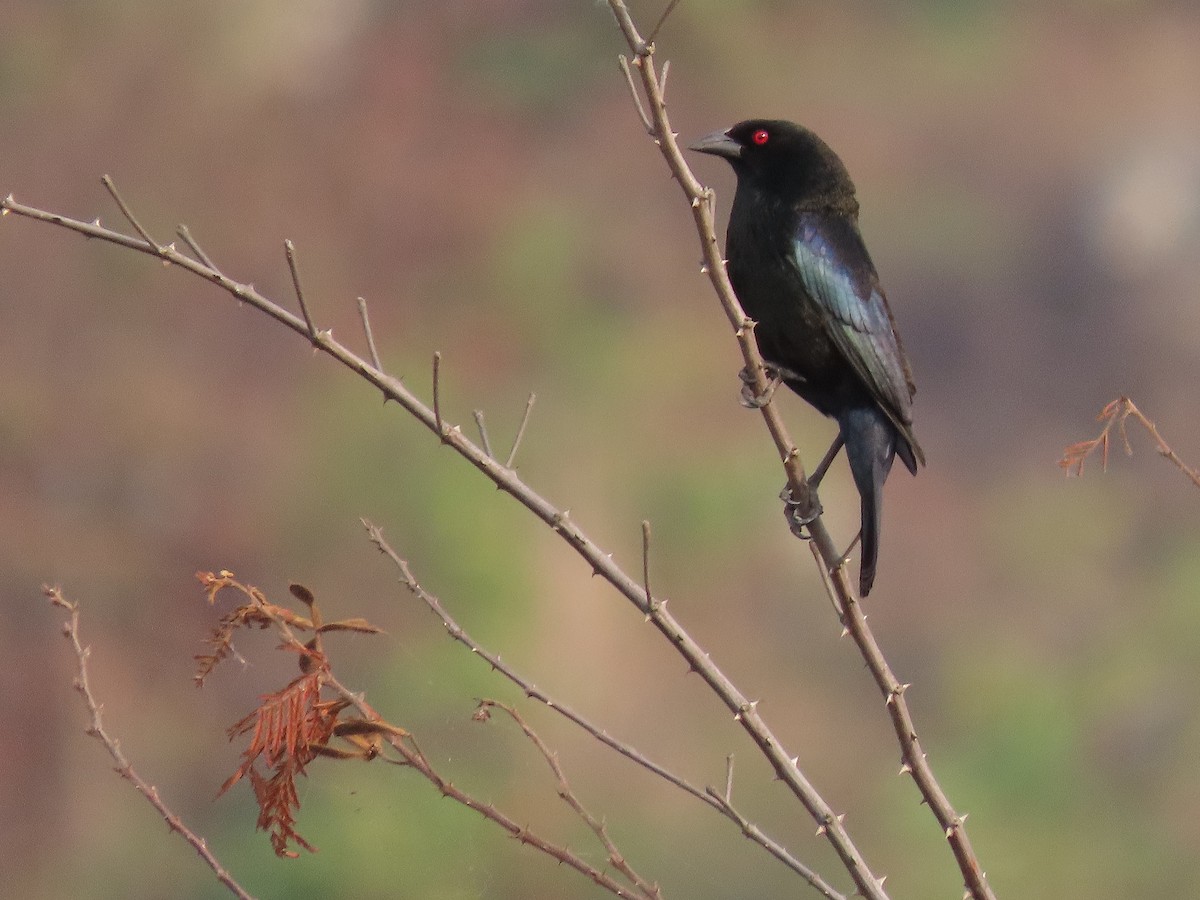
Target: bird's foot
pixel 751 398
pixel 800 513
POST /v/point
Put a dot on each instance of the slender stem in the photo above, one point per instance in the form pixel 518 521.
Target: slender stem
pixel 646 888
pixel 722 805
pixel 290 250
pixel 111 187
pixel 512 454
pixel 366 323
pixel 125 768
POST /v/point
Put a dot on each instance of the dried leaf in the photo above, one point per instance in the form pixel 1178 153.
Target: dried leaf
pixel 356 624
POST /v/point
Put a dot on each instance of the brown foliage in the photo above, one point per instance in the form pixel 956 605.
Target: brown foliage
pixel 292 726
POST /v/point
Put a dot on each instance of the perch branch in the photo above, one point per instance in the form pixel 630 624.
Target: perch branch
pixel 701 200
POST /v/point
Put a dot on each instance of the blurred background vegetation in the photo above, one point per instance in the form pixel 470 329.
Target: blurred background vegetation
pixel 1030 181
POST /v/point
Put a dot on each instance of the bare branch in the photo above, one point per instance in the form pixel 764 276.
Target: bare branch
pixel 124 768
pixel 633 92
pixel 844 595
pixel 372 730
pixel 127 212
pixel 366 323
pixel 437 393
pixel 650 601
pixel 290 250
pixel 187 238
pixel 661 21
pixel 645 889
pixel 412 757
pixel 512 453
pixel 483 435
pixel 456 631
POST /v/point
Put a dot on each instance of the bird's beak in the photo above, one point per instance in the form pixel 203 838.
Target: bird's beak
pixel 719 143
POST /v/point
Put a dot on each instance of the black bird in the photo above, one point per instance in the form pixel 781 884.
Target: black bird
pixel 801 270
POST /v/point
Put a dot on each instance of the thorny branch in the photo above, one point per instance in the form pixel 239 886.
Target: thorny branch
pixel 505 477
pixel 615 857
pixel 276 727
pixel 720 802
pixel 1116 414
pixel 112 745
pixel 854 620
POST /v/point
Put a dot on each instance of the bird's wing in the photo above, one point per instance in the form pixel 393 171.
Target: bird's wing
pixel 837 272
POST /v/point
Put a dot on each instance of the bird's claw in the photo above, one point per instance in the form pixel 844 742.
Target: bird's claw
pixel 751 398
pixel 799 515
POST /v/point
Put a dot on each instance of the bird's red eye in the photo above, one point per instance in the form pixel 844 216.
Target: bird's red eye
pixel 761 136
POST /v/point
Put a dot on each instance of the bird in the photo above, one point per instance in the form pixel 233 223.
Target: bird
pixel 801 271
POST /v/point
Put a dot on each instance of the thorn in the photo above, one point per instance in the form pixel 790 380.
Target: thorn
pixel 795 761
pixel 905 769
pixel 841 818
pixel 695 200
pixel 822 831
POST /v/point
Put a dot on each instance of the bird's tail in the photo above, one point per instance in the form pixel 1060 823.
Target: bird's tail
pixel 870 449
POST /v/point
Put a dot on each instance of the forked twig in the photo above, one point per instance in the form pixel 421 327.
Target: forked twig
pixel 1117 414
pixel 280 730
pixel 186 237
pixel 111 187
pixel 722 804
pixel 645 888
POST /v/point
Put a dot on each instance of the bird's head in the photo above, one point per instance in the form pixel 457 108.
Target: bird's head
pixel 780 156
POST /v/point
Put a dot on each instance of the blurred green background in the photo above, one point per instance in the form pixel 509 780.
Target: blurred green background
pixel 1030 183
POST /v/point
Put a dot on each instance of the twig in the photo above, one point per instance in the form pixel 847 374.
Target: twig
pixel 366 323
pixel 437 393
pixel 844 596
pixel 399 739
pixel 633 92
pixel 124 768
pixel 1117 413
pixel 650 601
pixel 483 435
pixel 186 237
pixel 645 888
pixel 127 212
pixel 456 631
pixel 512 453
pixel 290 250
pixel 661 21
pixel 416 760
